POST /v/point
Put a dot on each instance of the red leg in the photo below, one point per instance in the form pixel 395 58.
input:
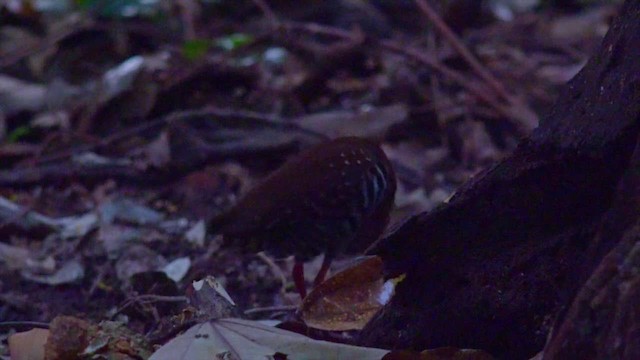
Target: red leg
pixel 298 278
pixel 326 262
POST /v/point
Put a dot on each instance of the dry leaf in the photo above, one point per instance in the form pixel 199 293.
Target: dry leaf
pixel 243 339
pixel 370 122
pixel 349 299
pixel 68 337
pixel 28 345
pixel 70 272
pixel 14 257
pixel 211 299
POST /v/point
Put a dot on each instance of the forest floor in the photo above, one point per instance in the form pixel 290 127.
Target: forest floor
pixel 124 129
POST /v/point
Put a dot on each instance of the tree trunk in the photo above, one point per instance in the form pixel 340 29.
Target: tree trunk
pixel 494 267
pixel 604 319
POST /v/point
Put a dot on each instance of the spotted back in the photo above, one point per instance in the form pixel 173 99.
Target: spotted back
pixel 335 197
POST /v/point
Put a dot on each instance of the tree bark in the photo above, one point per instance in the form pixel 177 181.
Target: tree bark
pixel 604 319
pixel 494 267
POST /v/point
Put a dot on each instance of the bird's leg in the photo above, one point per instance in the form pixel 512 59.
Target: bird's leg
pixel 326 262
pixel 298 278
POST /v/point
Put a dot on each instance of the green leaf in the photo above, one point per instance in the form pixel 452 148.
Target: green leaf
pixel 18 133
pixel 234 41
pixel 195 49
pixel 84 4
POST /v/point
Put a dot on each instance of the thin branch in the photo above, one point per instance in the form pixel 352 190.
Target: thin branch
pixel 458 46
pixel 173 117
pixel 271 309
pixel 30 48
pixel 23 324
pixel 275 270
pixel 148 299
pixel 522 121
pixel 268 12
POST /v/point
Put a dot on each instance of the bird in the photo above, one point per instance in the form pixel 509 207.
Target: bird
pixel 334 198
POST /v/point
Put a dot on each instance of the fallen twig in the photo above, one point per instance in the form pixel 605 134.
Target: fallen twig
pixel 271 309
pixel 523 121
pixel 458 46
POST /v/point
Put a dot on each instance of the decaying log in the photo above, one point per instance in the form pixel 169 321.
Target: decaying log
pixel 495 266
